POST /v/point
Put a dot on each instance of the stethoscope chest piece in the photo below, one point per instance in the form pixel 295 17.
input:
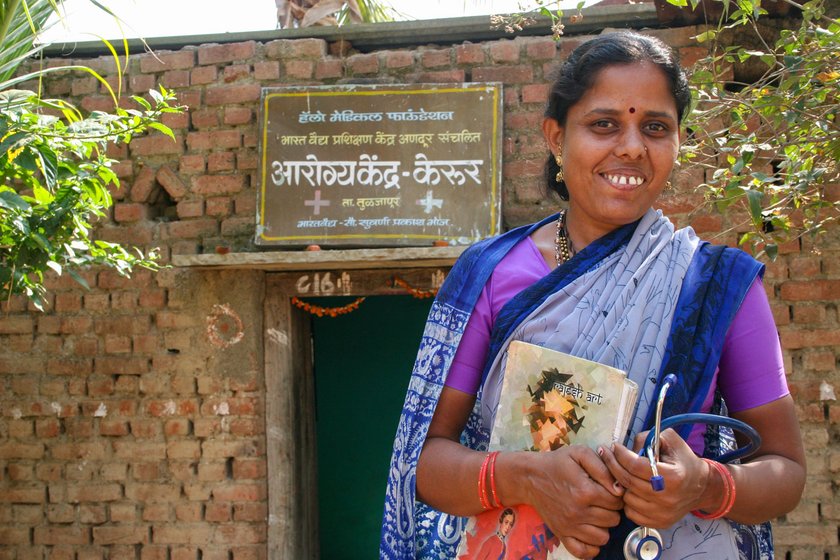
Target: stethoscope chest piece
pixel 643 543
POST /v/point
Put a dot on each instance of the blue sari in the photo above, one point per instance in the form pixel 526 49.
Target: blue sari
pixel 713 288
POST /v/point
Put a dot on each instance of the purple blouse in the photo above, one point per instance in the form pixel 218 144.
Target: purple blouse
pixel 751 368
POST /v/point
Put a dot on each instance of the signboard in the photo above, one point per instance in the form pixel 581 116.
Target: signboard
pixel 394 165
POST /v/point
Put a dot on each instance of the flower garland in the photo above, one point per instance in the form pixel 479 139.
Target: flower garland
pixel 319 311
pixel 415 292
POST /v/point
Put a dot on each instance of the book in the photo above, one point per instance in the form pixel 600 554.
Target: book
pixel 548 399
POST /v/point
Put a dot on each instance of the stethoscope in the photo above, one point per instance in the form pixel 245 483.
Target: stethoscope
pixel 645 543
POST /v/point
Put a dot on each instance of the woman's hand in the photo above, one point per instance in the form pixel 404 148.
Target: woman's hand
pixel 686 478
pixel 575 494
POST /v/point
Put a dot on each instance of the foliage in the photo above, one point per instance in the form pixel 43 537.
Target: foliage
pixel 54 178
pixel 771 144
pixel 55 174
pixel 304 13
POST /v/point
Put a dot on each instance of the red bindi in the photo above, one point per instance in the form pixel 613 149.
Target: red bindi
pixel 632 109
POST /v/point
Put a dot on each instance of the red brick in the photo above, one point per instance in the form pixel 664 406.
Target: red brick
pixel 253 469
pixel 121 534
pixel 239 492
pixel 144 184
pixel 190 229
pixel 163 61
pixel 813 290
pixel 299 69
pixel 151 492
pixel 190 164
pixel 398 59
pixel 535 93
pixel 237 115
pixel 238 226
pixel 35 495
pixel 792 339
pixel 12 324
pixel 61 535
pixel 141 83
pixel 363 63
pixel 236 72
pixel 530 120
pixel 504 74
pixel 332 68
pixel 113 428
pixel 819 360
pixel 203 118
pixel 131 212
pixel 267 70
pixel 130 325
pixel 190 209
pixel 215 54
pixel 219 207
pixel 217 513
pixel 84 86
pixel 122 365
pixel 188 512
pixel 469 53
pixel 440 77
pixel 175 79
pixel 230 95
pixel 157 145
pixel 249 512
pixel 70 366
pixel 170 181
pixel 435 58
pixel 241 534
pixel 296 48
pixel 209 185
pixel 504 51
pixel 203 75
pixel 541 49
pixel 194 533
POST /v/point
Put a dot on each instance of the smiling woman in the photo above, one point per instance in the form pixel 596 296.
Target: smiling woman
pixel 610 280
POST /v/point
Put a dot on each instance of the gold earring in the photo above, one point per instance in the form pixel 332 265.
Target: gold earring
pixel 558 157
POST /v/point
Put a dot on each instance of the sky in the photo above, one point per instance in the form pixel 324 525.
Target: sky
pixel 167 18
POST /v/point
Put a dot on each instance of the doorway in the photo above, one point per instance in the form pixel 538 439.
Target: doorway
pixel 362 364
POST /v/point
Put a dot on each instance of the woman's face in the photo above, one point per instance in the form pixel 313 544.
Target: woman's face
pixel 619 145
pixel 506 525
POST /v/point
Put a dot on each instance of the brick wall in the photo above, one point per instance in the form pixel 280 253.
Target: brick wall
pixel 131 423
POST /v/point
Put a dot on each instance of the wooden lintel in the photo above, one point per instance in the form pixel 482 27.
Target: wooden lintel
pixel 327 259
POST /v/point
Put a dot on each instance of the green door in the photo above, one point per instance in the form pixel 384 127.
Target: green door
pixel 363 361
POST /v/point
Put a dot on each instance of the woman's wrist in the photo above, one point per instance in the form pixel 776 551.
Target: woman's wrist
pixel 513 475
pixel 719 495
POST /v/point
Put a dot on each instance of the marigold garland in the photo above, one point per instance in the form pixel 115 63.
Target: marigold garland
pixel 319 311
pixel 415 292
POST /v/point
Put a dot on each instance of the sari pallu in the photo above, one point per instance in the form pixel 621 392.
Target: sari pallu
pixel 711 284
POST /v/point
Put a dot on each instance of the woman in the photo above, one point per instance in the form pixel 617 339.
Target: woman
pixel 609 280
pixel 494 547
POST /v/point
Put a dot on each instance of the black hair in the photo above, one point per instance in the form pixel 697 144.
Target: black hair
pixel 505 513
pixel 576 75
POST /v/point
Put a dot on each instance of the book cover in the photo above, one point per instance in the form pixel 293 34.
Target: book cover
pixel 548 399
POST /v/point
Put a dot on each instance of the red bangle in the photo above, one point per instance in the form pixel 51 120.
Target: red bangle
pixel 728 493
pixel 482 484
pixel 497 502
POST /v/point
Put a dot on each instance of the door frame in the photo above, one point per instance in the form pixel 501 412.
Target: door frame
pixel 291 447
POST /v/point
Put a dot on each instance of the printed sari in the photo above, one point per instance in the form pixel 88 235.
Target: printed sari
pixel 643 298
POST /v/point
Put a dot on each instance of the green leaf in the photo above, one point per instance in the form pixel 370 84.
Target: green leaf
pixel 772 251
pixel 75 276
pixel 12 201
pixel 754 200
pixel 162 128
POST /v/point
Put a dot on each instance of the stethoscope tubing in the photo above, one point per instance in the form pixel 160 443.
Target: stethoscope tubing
pixel 715 420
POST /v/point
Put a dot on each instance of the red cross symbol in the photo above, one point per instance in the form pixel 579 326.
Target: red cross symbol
pixel 316 203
